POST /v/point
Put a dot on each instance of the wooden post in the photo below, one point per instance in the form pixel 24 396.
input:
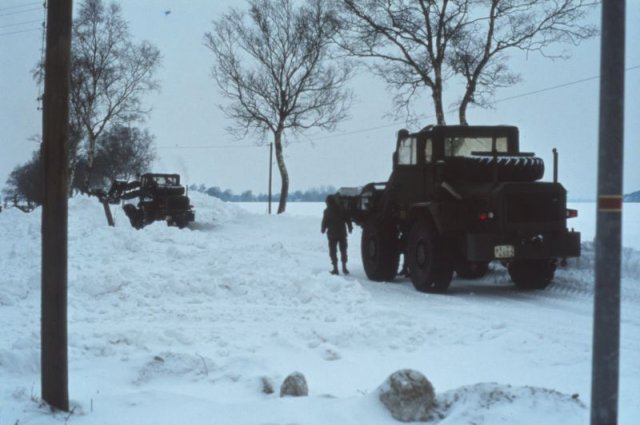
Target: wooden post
pixel 606 320
pixel 107 212
pixel 55 132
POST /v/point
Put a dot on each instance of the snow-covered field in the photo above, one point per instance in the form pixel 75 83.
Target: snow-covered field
pixel 170 326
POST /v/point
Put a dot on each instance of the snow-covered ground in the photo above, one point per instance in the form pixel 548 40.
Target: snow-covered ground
pixel 170 326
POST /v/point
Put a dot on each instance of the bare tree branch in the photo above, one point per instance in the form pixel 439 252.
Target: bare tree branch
pixel 421 44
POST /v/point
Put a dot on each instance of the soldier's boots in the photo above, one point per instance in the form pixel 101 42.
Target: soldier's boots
pixel 335 269
pixel 344 268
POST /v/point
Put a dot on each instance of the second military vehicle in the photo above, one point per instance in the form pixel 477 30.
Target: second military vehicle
pixel 159 197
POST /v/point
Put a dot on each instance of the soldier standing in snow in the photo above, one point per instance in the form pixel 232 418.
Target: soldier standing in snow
pixel 336 224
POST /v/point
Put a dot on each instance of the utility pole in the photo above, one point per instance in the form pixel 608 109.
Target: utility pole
pixel 55 131
pixel 606 328
pixel 270 172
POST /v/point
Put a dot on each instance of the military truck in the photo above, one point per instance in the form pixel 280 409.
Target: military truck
pixel 458 198
pixel 159 197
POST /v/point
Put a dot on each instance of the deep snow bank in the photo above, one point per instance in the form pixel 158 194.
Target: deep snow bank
pixel 181 326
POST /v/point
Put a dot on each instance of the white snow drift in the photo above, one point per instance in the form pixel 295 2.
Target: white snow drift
pixel 170 326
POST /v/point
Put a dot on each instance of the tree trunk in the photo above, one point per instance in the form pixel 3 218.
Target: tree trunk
pixel 72 175
pixel 462 111
pixel 466 99
pixel 73 162
pixel 437 101
pixel 91 153
pixel 284 175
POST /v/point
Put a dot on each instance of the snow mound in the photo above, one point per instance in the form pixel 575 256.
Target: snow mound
pixel 629 261
pixel 174 326
pixel 210 210
pixel 168 364
pixel 578 276
pixel 491 403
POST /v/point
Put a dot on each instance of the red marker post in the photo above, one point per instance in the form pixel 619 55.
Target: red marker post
pixel 606 328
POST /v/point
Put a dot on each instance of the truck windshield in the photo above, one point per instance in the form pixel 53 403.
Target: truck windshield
pixel 165 180
pixel 464 146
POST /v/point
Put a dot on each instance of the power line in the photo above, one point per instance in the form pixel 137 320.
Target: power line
pixel 396 123
pixel 210 146
pixel 20 23
pixel 19 32
pixel 33 9
pixel 518 96
pixel 19 6
pixel 560 86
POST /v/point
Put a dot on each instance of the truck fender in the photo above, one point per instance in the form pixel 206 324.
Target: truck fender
pixel 422 210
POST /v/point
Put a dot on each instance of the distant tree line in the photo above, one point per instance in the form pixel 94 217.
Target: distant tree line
pixel 318 194
pixel 632 197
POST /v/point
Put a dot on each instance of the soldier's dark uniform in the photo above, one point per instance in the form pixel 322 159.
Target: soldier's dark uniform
pixel 336 224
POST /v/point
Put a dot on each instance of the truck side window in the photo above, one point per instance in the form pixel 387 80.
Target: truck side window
pixel 464 146
pixel 501 144
pixel 428 151
pixel 407 152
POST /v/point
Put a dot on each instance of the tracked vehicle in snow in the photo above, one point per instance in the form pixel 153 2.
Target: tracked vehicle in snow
pixel 458 198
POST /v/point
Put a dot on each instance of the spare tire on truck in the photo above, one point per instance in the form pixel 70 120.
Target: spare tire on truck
pixel 482 168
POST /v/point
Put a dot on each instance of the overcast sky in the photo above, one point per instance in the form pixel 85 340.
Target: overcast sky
pixel 189 127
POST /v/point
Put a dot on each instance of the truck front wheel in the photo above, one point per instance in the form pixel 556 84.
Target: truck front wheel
pixel 379 248
pixel 428 258
pixel 136 216
pixel 532 274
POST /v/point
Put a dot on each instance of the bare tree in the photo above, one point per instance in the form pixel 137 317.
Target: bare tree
pixel 110 73
pixel 421 44
pixel 122 152
pixel 409 38
pixel 274 65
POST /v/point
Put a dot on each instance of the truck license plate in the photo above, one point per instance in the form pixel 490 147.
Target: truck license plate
pixel 504 251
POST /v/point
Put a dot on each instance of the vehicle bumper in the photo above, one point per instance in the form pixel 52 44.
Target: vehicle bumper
pixel 482 247
pixel 187 216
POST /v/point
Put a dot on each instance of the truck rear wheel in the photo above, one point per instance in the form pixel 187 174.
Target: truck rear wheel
pixel 379 248
pixel 428 258
pixel 532 274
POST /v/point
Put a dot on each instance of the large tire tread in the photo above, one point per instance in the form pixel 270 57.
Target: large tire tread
pixel 481 168
pixel 428 258
pixel 532 274
pixel 379 249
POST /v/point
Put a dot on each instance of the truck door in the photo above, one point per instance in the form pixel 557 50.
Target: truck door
pixel 408 177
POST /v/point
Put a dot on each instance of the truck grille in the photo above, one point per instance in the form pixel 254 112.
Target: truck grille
pixel 534 207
